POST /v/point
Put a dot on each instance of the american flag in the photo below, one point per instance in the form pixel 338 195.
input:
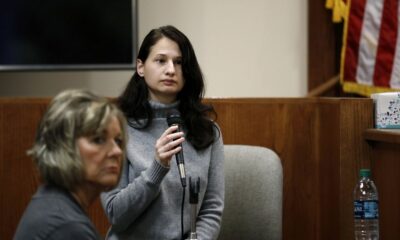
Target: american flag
pixel 371 46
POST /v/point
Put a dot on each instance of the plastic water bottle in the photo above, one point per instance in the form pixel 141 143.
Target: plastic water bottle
pixel 366 211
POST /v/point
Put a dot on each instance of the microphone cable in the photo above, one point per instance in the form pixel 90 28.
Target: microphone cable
pixel 182 211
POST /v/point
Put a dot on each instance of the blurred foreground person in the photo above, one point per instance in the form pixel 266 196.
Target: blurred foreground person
pixel 78 150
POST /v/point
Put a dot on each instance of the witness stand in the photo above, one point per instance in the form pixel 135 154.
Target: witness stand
pixel 321 142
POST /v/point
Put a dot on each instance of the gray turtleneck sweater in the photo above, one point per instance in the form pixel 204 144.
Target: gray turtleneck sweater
pixel 146 204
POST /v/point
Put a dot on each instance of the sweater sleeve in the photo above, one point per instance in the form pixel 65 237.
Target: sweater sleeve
pixel 209 217
pixel 128 200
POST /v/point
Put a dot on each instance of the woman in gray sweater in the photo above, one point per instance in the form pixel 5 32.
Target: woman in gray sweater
pixel 147 203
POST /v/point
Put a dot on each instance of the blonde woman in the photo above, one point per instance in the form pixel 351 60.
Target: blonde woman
pixel 79 149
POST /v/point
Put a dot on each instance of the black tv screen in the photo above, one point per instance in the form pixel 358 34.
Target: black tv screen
pixel 67 34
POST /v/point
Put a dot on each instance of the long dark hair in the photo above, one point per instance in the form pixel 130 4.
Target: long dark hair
pixel 195 114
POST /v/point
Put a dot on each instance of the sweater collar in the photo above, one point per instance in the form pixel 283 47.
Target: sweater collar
pixel 161 110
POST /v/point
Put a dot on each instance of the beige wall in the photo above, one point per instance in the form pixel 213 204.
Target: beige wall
pixel 255 48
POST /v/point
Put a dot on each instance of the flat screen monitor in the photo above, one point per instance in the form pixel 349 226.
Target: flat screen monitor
pixel 67 34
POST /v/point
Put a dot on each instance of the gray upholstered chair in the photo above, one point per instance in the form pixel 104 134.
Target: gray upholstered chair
pixel 253 194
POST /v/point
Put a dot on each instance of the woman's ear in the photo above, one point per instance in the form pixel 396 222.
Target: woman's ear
pixel 139 67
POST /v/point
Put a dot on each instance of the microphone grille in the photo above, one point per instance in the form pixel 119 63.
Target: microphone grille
pixel 174 117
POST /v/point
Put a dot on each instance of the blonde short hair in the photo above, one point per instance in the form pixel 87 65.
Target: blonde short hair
pixel 71 114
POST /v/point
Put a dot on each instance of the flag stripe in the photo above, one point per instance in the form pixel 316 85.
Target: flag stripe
pixel 354 22
pixel 386 44
pixel 369 42
pixel 395 76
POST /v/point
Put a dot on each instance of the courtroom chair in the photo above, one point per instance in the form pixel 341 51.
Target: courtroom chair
pixel 253 194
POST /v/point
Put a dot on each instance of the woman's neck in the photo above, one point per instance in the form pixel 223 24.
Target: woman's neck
pixel 164 99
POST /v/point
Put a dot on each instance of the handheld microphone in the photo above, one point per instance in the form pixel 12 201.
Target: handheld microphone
pixel 174 118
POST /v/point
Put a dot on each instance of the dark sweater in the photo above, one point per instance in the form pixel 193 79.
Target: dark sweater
pixel 54 214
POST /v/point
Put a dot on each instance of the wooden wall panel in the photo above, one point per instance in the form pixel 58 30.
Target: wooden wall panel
pixel 328 153
pixel 18 178
pixel 286 126
pixel 354 154
pixel 321 147
pixel 386 174
pixel 324 46
pixel 319 142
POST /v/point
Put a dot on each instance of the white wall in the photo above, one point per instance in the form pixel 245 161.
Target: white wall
pixel 254 48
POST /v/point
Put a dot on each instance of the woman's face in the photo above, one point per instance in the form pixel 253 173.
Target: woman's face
pixel 102 156
pixel 162 71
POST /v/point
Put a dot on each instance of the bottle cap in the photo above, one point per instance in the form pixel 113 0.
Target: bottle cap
pixel 365 172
